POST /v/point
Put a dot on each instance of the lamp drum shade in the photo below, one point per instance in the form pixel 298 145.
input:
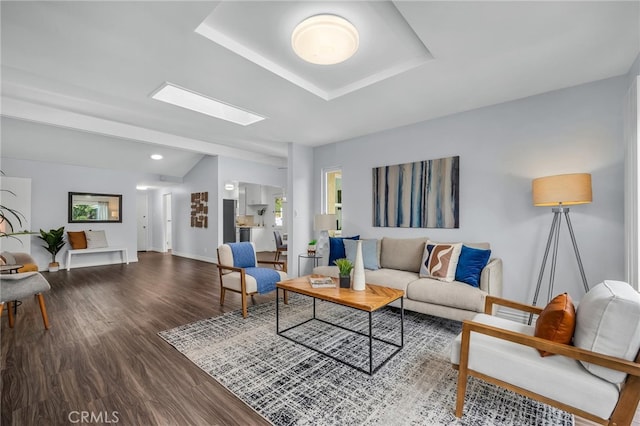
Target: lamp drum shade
pixel 325 222
pixel 565 190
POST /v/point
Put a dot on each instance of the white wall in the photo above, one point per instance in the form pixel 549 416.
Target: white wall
pixel 195 243
pixel 50 185
pixel 16 195
pixel 502 148
pixel 300 201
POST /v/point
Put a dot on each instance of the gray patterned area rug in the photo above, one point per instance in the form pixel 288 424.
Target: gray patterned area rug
pixel 289 384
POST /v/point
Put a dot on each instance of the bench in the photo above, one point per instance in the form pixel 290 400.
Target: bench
pixel 122 250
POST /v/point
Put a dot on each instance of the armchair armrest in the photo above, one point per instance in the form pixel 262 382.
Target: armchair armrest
pixel 576 353
pixel 492 300
pixel 282 264
pixel 229 268
pixel 491 277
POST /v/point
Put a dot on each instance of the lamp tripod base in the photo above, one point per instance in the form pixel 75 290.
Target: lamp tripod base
pixel 554 236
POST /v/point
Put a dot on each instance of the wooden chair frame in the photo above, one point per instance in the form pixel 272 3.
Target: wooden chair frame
pixel 243 282
pixel 629 396
pixel 43 310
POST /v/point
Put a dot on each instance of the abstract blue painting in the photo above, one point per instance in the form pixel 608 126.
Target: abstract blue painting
pixel 424 194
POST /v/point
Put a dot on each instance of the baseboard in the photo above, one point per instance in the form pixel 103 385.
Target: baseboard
pixel 195 257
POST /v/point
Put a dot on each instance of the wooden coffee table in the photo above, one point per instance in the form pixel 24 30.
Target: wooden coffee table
pixel 371 299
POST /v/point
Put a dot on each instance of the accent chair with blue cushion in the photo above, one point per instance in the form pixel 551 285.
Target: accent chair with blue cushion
pixel 240 273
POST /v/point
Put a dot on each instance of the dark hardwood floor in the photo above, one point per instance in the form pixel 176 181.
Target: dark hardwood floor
pixel 102 354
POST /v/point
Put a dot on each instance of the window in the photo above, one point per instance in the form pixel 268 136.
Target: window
pixel 332 194
pixel 278 212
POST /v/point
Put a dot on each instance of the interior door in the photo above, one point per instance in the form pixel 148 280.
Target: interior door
pixel 166 201
pixel 142 220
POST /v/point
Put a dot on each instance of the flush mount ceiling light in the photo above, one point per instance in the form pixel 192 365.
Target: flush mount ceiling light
pixel 229 186
pixel 156 157
pixel 175 95
pixel 325 39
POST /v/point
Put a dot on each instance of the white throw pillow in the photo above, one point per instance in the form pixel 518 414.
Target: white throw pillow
pixel 440 261
pixel 608 322
pixel 96 239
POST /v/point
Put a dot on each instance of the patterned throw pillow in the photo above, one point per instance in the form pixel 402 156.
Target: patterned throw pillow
pixel 440 261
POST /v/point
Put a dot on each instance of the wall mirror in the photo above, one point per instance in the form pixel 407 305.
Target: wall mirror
pixel 85 207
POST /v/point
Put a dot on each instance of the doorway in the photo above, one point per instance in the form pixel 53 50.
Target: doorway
pixel 166 220
pixel 332 194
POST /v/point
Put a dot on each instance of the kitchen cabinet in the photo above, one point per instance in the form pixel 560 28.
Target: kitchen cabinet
pixel 255 194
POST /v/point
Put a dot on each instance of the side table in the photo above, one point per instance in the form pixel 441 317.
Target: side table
pixel 10 268
pixel 316 259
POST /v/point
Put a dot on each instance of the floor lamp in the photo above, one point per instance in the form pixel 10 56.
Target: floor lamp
pixel 558 192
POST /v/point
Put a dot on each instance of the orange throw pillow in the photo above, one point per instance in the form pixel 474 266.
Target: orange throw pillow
pixel 78 240
pixel 557 321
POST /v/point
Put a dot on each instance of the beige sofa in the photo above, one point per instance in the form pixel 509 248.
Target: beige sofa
pixel 400 261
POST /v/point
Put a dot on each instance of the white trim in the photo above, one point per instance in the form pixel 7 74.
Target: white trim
pixel 195 257
pixel 631 183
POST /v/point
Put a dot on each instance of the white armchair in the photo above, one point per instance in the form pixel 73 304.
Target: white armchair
pixel 597 378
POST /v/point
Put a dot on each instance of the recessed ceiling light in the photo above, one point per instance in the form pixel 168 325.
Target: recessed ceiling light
pixel 175 95
pixel 141 188
pixel 156 157
pixel 325 39
pixel 229 186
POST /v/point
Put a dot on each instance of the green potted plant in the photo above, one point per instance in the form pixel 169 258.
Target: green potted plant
pixel 344 266
pixel 311 248
pixel 54 240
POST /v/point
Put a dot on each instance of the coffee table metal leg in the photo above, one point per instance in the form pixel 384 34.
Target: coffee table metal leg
pixel 402 322
pixel 314 308
pixel 277 312
pixel 370 346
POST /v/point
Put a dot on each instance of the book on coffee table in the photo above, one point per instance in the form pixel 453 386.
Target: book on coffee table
pixel 321 282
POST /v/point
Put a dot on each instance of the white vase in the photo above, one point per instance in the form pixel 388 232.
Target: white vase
pixel 358 269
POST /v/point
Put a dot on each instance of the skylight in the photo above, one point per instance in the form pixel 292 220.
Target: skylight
pixel 188 99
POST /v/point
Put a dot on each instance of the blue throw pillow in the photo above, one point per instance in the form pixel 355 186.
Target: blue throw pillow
pixel 470 265
pixel 336 248
pixel 369 252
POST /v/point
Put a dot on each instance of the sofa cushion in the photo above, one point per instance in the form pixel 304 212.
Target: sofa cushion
pixel 78 240
pixel 336 248
pixel 608 321
pixel 557 321
pixel 402 253
pixel 390 278
pixel 557 377
pixel 369 252
pixel 453 294
pixel 470 265
pixel 96 239
pixel 327 271
pixel 440 261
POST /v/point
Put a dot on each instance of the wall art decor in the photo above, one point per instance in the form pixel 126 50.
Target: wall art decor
pixel 424 194
pixel 199 209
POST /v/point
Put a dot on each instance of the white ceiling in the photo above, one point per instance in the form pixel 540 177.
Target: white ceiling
pixel 93 66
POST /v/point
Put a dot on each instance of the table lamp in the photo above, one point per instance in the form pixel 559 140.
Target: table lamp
pixel 323 223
